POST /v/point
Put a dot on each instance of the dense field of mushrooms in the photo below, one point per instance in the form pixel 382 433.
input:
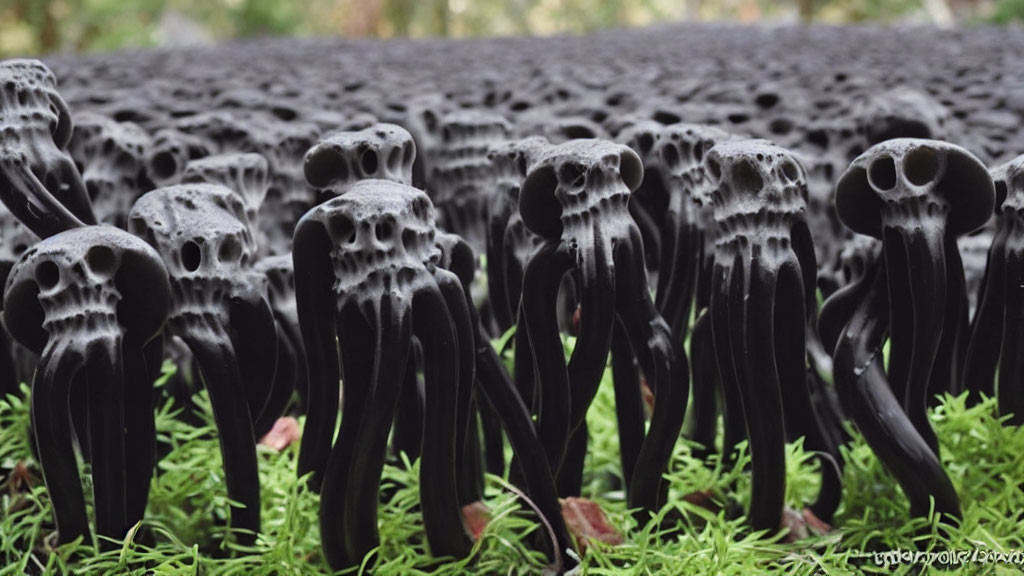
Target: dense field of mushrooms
pixel 758 293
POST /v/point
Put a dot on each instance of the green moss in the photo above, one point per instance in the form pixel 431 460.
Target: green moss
pixel 188 509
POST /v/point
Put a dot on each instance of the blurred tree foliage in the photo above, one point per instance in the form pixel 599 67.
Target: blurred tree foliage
pixel 43 26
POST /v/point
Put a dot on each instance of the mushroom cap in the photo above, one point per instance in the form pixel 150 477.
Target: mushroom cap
pixel 904 168
pixel 1009 184
pixel 540 200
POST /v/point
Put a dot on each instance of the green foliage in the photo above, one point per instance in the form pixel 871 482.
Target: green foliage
pixel 185 527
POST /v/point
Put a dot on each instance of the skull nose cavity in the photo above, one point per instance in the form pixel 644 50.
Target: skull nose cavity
pixel 101 261
pixel 191 256
pixel 47 274
pixel 882 174
pixel 921 165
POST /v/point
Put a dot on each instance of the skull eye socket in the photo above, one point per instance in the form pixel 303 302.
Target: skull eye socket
pixel 572 175
pixel 342 228
pixel 101 260
pixel 921 166
pixel 882 174
pixel 790 171
pixel 191 256
pixel 230 251
pixel 746 177
pixel 47 274
pixel 369 162
pixel 384 230
pixel 395 159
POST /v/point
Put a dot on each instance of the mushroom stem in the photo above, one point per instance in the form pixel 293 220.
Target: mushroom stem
pixel 218 365
pixel 916 268
pixel 442 518
pixel 51 424
pixel 869 400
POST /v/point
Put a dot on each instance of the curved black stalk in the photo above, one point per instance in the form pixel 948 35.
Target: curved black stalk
pixel 1011 365
pixel 629 408
pixel 433 327
pixel 869 401
pixel 357 355
pixel 105 379
pixel 983 351
pixel 665 369
pixel 51 424
pixel 218 365
pixel 391 325
pixel 703 427
pixel 995 342
pixel 313 277
pixel 538 327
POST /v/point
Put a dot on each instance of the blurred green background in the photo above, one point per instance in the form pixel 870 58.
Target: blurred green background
pixel 45 26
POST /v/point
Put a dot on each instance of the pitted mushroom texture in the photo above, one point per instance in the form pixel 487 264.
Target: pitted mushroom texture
pixel 901 113
pixel 220 309
pixel 458 174
pixel 245 174
pixel 761 193
pixel 383 235
pixel 88 300
pixel 576 183
pixel 202 234
pixel 505 143
pixel 112 156
pixel 75 281
pixel 39 182
pixel 380 151
pixel 15 239
pixel 170 153
pixel 918 181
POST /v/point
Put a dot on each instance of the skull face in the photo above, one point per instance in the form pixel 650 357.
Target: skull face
pixel 458 166
pixel 575 185
pixel 246 174
pixel 510 161
pixel 30 106
pixel 113 159
pixel 680 152
pixel 202 234
pixel 382 233
pixel 93 283
pixel 382 151
pixel 759 193
pixel 34 171
pixel 906 181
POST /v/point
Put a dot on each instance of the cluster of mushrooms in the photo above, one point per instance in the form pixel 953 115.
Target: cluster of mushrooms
pixel 301 226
